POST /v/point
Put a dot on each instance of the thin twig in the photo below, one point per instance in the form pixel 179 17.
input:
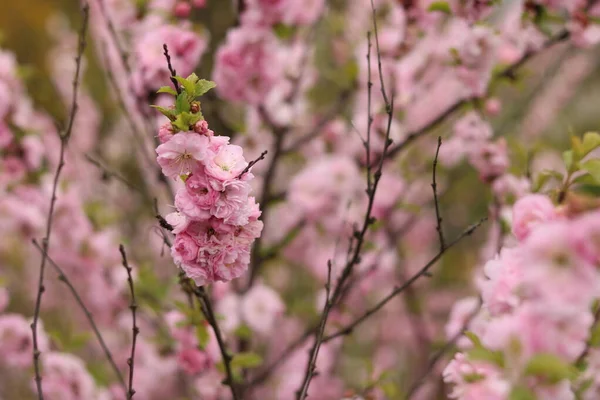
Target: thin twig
pixel 422 272
pixel 63 278
pixel 438 217
pixel 64 139
pixel 135 329
pixel 111 174
pixel 171 69
pixel 312 362
pixel 209 314
pixel 251 163
pixel 359 235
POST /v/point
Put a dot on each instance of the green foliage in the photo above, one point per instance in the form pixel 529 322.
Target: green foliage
pixel 441 6
pixel 243 332
pixel 521 393
pixel 246 360
pixel 479 352
pixel 550 367
pixel 183 116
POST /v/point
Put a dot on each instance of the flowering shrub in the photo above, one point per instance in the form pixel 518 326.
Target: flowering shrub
pixel 370 201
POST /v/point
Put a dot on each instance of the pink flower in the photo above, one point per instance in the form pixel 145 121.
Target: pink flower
pixel 66 378
pixel 226 165
pixel 178 221
pixel 261 306
pixel 199 189
pixel 201 127
pixel 247 65
pixel 192 360
pixel 475 380
pixel 232 204
pixel 531 211
pixel 187 205
pixel 185 249
pixel 180 155
pixel 150 70
pixel 586 237
pixel 165 132
pixel 16 343
pixel 491 160
pixel 500 292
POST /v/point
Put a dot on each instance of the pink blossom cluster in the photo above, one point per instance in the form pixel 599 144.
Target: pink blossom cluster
pixel 537 305
pixel 216 219
pixel 473 139
pixel 247 65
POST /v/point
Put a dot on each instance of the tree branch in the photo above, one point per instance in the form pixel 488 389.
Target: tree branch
pixel 422 272
pixel 135 329
pixel 63 278
pixel 209 314
pixel 438 218
pixel 64 139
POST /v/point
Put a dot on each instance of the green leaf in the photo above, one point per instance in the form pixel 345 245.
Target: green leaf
pixel 593 168
pixel 243 332
pixel 167 89
pixel 567 157
pixel 550 367
pixel 577 148
pixel 473 338
pixel 441 6
pixel 187 84
pixel 246 360
pixel 203 86
pixel 591 141
pixel 544 177
pixel 185 120
pixel 521 393
pixel 284 31
pixel 202 335
pixel 591 190
pixel 182 103
pixel 167 112
pixel 483 354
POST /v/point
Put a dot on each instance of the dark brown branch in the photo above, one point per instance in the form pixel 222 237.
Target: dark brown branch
pixel 438 217
pixel 135 330
pixel 64 140
pixel 209 314
pixel 63 278
pixel 314 352
pixel 422 272
pixel 252 163
pixel 359 235
pixel 106 173
pixel 171 69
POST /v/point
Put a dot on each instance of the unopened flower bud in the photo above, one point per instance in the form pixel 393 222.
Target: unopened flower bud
pixel 182 9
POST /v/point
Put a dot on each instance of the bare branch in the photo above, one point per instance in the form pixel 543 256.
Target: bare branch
pixel 314 352
pixel 171 69
pixel 64 140
pixel 252 163
pixel 63 278
pixel 422 272
pixel 209 314
pixel 359 235
pixel 135 329
pixel 438 217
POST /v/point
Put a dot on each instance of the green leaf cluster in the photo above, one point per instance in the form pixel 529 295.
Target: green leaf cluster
pixel 187 111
